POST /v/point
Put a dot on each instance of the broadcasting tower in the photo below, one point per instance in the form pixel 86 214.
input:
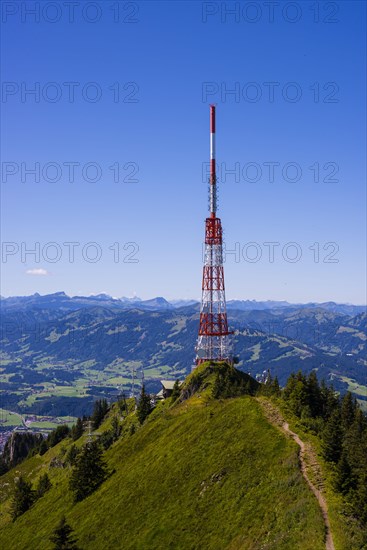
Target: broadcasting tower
pixel 214 340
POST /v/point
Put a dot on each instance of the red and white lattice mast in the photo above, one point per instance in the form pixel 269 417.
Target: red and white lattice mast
pixel 214 340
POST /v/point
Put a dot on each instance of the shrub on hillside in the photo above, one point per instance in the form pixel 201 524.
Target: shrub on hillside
pixel 144 406
pixel 57 435
pixel 23 498
pixel 89 472
pixel 99 412
pixel 62 536
pixel 44 485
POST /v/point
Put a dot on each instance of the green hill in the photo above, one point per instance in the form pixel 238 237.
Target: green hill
pixel 202 473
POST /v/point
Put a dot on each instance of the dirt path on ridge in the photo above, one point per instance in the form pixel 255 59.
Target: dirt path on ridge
pixel 308 463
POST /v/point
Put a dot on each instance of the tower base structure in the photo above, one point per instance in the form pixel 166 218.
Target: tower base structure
pixel 214 339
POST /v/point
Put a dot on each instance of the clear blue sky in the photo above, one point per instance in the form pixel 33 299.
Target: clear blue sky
pixel 170 52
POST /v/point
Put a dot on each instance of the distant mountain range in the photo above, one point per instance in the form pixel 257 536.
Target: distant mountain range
pixel 60 300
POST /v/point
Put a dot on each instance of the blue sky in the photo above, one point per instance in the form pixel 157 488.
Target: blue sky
pixel 142 86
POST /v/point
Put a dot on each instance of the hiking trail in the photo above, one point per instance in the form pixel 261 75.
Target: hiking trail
pixel 308 462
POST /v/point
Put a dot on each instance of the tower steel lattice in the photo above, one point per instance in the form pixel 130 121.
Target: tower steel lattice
pixel 214 340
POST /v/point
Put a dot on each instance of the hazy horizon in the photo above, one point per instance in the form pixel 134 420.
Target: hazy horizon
pixel 138 297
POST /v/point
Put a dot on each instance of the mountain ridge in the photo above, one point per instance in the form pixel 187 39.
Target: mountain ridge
pixel 161 303
pixel 177 458
pixel 207 468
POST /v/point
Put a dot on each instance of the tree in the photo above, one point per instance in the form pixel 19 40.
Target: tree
pixel 106 439
pixel 23 497
pixel 217 386
pixel 89 472
pixel 99 412
pixel 329 400
pixel 360 500
pixel 275 387
pixel 223 386
pixel 348 410
pixel 77 429
pixel 43 447
pixel 343 475
pixel 62 536
pixel 57 435
pixel 295 392
pixel 122 404
pixel 3 466
pixel 44 484
pixel 115 428
pixel 72 455
pixel 314 395
pixel 228 387
pixel 19 446
pixel 289 387
pixel 144 406
pixel 332 438
pixel 176 391
pixel 269 387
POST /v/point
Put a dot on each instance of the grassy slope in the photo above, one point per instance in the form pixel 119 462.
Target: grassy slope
pixel 163 493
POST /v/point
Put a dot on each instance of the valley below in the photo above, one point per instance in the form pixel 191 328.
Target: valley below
pixel 59 354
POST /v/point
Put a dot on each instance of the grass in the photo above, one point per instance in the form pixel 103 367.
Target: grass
pixel 47 425
pixel 8 418
pixel 119 380
pixel 358 390
pixel 202 474
pixel 354 387
pixel 53 390
pixel 255 352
